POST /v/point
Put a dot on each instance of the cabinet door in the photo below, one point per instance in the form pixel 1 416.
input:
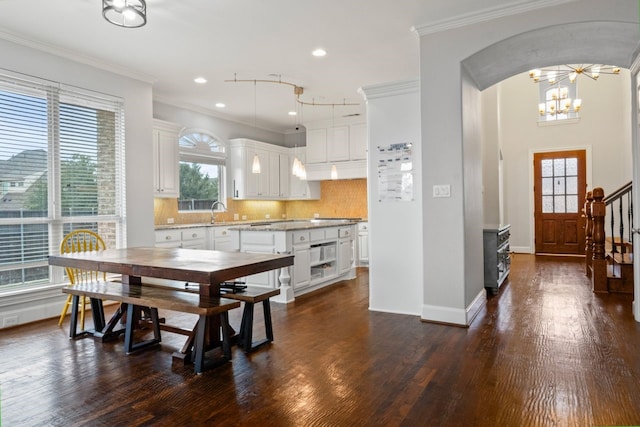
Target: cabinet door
pixel 256 183
pixel 273 190
pixel 358 142
pixel 345 253
pixel 284 175
pixel 301 267
pixel 166 169
pixel 363 247
pixel 317 146
pixel 338 144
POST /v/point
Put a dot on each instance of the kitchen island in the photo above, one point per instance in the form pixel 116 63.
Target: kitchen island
pixel 323 253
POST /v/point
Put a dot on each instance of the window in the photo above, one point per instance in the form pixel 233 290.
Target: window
pixel 61 168
pixel 558 101
pixel 202 169
pixel 560 185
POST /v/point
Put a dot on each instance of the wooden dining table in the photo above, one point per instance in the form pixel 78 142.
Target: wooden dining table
pixel 208 268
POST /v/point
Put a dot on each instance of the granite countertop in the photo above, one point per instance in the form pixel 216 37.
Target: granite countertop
pixel 269 224
pixel 295 225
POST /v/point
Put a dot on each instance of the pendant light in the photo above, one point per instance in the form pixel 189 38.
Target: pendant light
pixel 255 167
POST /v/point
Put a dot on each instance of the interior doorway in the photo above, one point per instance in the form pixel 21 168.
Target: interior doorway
pixel 559 193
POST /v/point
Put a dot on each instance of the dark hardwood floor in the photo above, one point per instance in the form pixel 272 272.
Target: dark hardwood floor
pixel 545 351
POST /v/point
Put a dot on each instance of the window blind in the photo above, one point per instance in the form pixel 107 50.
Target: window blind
pixel 61 168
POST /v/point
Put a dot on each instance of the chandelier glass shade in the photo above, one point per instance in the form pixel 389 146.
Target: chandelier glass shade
pixel 125 13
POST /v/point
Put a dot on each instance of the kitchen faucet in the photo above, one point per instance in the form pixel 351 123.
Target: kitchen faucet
pixel 213 207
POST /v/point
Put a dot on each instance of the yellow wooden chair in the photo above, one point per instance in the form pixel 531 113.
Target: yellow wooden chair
pixel 80 241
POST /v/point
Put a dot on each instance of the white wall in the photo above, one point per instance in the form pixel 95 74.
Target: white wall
pixel 604 129
pixel 221 128
pixel 396 252
pixel 449 224
pixel 41 304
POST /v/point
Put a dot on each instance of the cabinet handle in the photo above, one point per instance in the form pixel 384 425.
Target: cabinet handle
pixel 167 238
pixel 224 233
pixel 194 235
pixel 302 238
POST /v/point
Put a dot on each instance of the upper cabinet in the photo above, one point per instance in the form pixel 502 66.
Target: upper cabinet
pixel 270 183
pixel 165 159
pixel 343 145
pixel 274 181
pixel 301 189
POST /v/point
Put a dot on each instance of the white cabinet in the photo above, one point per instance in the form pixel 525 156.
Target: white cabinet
pixel 194 238
pixel 363 243
pixel 301 262
pixel 190 237
pixel 317 145
pixel 171 238
pixel 284 176
pixel 272 183
pixel 165 160
pixel 342 145
pixel 220 239
pixel 301 189
pixel 358 142
pixel 345 249
pixel 338 144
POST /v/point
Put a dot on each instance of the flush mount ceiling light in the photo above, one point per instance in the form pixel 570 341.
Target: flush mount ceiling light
pixel 125 13
pixel 319 52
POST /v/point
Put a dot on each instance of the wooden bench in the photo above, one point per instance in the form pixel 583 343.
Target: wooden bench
pixel 251 295
pixel 133 297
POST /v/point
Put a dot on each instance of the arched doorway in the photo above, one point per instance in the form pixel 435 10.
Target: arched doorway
pixel 590 42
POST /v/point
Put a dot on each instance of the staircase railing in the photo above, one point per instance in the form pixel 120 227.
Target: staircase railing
pixel 620 205
pixel 619 202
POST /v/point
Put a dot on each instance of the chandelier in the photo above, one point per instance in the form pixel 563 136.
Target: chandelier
pixel 125 13
pixel 562 72
pixel 557 97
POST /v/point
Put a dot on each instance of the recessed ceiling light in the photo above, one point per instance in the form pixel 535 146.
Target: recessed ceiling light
pixel 220 104
pixel 319 52
pixel 200 80
pixel 293 113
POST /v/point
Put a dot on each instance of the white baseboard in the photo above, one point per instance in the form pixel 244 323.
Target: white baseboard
pixel 455 316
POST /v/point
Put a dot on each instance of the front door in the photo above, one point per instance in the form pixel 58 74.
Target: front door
pixel 559 191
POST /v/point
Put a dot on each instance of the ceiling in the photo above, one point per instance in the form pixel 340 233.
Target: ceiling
pixel 368 42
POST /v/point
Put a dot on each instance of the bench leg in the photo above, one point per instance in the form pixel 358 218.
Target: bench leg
pixel 246 326
pixel 73 324
pixel 129 345
pixel 268 326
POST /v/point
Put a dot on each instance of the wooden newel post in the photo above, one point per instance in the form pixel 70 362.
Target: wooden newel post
pixel 588 233
pixel 599 263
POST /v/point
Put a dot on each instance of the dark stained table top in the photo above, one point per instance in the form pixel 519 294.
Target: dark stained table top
pixel 189 265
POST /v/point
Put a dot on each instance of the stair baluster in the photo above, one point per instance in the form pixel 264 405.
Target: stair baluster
pixel 599 263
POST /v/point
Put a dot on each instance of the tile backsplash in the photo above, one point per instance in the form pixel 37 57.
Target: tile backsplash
pixel 339 199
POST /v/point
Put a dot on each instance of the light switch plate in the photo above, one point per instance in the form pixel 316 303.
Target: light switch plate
pixel 170 221
pixel 442 190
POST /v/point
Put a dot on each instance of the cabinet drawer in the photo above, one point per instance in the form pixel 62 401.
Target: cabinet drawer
pixel 331 233
pixel 316 235
pixel 194 234
pixel 301 237
pixel 345 232
pixel 168 236
pixel 221 232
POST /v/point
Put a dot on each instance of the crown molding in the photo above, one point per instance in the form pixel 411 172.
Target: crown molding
pixel 75 56
pixel 483 15
pixel 389 89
